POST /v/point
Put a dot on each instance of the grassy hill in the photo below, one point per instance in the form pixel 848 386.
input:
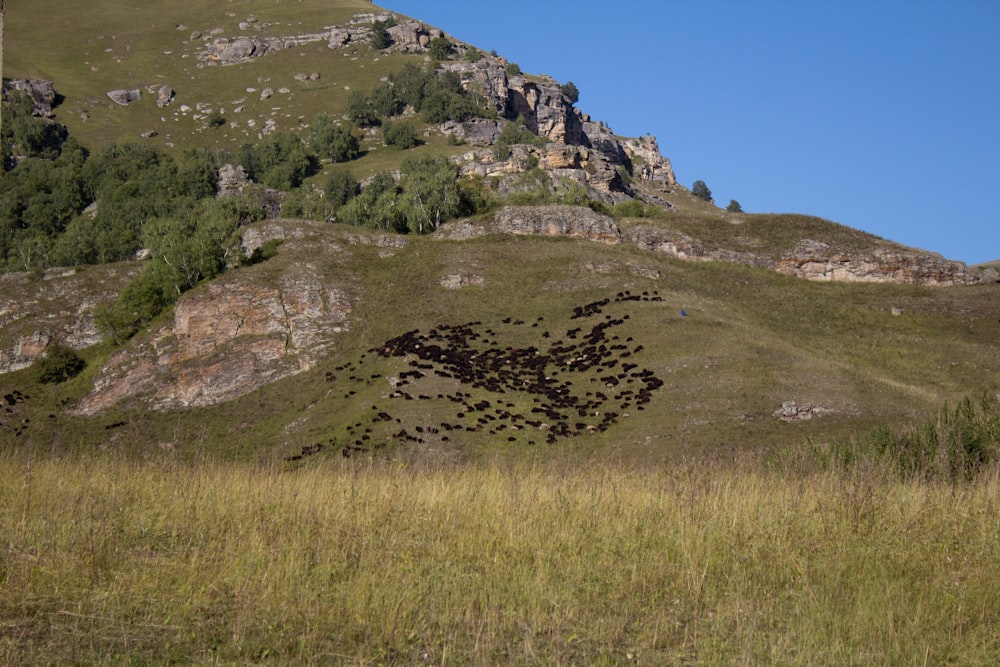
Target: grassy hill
pixel 752 339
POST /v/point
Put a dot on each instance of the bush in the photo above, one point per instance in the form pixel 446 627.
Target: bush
pixel 701 191
pixel 399 134
pixel 633 208
pixel 513 69
pixel 380 36
pixel 341 187
pixel 332 141
pixel 734 206
pixel 60 363
pixel 216 119
pixel 955 446
pixel 439 48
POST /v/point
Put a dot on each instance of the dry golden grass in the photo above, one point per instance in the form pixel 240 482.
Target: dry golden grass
pixel 107 562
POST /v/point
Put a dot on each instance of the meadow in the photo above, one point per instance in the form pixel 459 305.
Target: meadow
pixel 105 560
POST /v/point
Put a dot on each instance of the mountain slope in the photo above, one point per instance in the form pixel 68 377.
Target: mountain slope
pixel 552 330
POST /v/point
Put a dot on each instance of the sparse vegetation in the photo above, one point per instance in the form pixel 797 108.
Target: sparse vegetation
pixel 734 206
pixel 60 363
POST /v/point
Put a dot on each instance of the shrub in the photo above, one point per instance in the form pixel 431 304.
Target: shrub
pixel 215 118
pixel 955 446
pixel 399 134
pixel 380 36
pixel 332 141
pixel 633 208
pixel 513 69
pixel 734 206
pixel 341 187
pixel 701 191
pixel 439 48
pixel 60 363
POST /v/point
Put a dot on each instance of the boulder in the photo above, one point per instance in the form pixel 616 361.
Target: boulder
pixel 125 96
pixel 164 96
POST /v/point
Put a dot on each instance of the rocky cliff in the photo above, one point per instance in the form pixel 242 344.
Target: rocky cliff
pixel 237 333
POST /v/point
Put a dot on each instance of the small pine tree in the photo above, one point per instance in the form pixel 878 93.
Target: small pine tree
pixel 701 191
pixel 734 206
pixel 571 92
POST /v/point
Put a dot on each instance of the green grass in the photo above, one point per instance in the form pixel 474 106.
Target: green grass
pixel 117 45
pixel 106 561
pixel 753 339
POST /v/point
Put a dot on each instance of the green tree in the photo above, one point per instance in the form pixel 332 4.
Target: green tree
pixel 332 141
pixel 341 187
pixel 381 38
pixel 571 92
pixel 701 191
pixel 59 363
pixel 734 206
pixel 399 134
pixel 439 48
pixel 383 100
pixel 359 109
pixel 431 192
pixel 280 161
pixel 378 206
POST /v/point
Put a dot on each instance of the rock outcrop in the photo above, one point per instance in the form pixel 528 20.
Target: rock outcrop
pixel 229 337
pixel 815 260
pixel 41 92
pixel 58 308
pixel 575 221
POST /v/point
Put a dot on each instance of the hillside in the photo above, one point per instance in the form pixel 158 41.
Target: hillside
pixel 554 326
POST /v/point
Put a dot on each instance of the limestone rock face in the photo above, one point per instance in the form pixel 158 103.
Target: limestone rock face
pixel 648 163
pixel 815 260
pixel 412 36
pixel 545 109
pixel 578 221
pixel 60 307
pixel 229 337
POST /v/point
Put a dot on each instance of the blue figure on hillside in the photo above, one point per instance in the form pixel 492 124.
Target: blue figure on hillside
pixel 683 313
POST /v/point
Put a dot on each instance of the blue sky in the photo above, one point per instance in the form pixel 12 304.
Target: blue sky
pixel 883 115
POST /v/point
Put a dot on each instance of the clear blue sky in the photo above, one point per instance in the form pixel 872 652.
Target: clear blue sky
pixel 883 115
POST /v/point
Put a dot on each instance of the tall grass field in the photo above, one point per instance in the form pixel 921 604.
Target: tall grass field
pixel 108 561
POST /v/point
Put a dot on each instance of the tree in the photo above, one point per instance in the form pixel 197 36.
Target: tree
pixel 399 134
pixel 380 36
pixel 439 48
pixel 431 192
pixel 701 191
pixel 571 92
pixel 734 206
pixel 341 187
pixel 332 141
